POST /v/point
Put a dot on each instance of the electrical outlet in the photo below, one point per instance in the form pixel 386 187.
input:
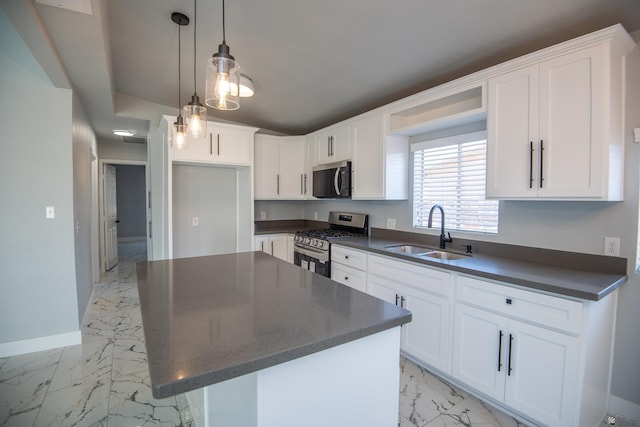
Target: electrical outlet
pixel 612 246
pixel 195 221
pixel 263 215
pixel 391 223
pixel 50 212
pixel 315 216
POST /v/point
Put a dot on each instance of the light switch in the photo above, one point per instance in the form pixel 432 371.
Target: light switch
pixel 195 221
pixel 50 212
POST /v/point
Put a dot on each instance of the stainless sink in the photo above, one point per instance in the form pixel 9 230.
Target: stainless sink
pixel 425 252
pixel 408 249
pixel 443 255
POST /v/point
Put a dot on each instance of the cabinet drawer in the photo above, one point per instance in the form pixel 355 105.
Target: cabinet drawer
pixel 349 257
pixel 357 279
pixel 547 310
pixel 423 278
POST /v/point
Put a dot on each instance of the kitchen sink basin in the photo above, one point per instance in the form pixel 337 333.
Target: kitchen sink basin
pixel 425 252
pixel 443 255
pixel 408 249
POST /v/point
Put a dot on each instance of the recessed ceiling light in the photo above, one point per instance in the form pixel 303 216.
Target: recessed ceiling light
pixel 124 132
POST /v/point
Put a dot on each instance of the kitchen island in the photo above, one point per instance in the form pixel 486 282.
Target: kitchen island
pixel 256 341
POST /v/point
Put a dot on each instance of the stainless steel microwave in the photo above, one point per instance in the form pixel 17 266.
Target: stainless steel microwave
pixel 332 180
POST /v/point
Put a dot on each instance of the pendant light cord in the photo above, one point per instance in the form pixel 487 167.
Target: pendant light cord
pixel 179 95
pixel 224 38
pixel 195 27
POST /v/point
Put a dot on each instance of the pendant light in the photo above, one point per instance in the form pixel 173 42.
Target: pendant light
pixel 223 77
pixel 179 137
pixel 195 113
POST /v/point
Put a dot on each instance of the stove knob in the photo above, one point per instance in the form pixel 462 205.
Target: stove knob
pixel 307 240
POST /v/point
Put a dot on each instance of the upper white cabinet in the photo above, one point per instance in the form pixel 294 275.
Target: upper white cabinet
pixel 280 168
pixel 332 145
pixel 223 144
pixel 555 125
pixel 379 162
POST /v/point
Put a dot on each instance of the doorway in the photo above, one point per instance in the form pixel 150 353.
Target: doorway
pixel 124 212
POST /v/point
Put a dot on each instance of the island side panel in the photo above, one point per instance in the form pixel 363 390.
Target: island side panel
pixel 352 384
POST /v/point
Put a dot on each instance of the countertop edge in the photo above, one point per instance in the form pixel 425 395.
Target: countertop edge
pixel 356 243
pixel 160 391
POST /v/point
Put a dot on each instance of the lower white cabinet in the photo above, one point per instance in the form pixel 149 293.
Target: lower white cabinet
pixel 531 369
pixel 349 267
pixel 426 293
pixel 543 356
pixel 276 245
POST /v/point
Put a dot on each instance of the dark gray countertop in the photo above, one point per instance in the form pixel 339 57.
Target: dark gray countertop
pixel 590 282
pixel 210 319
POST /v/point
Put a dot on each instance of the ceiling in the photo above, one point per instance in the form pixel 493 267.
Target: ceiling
pixel 312 62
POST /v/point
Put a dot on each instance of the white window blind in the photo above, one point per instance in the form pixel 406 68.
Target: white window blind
pixel 451 172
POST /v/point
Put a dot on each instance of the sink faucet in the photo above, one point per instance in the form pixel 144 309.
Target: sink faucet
pixel 443 237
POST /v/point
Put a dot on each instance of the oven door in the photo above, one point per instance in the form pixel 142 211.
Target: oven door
pixel 311 260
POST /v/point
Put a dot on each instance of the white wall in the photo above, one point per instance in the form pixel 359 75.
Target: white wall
pixel 570 226
pixel 122 151
pixel 37 256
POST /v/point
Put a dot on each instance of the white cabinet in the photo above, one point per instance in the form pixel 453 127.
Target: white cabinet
pixel 379 162
pixel 276 245
pixel 332 145
pixel 349 267
pixel 223 144
pixel 280 168
pixel 555 128
pixel 426 293
pixel 543 356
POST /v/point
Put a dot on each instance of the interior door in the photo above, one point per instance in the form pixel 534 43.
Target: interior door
pixel 110 218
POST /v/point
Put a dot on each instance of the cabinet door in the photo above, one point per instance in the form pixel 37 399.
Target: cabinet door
pixel 356 279
pixel 426 337
pixel 383 289
pixel 278 246
pixel 570 89
pixel 480 349
pixel 368 167
pixel 232 146
pixel 543 380
pixel 261 243
pixel 266 167
pixel 292 168
pixel 333 145
pixel 196 150
pixel 512 134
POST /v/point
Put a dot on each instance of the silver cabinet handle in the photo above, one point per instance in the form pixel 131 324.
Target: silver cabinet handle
pixel 218 139
pixel 530 164
pixel 335 180
pixel 328 146
pixel 211 144
pixel 271 248
pixel 305 183
pixel 278 184
pixel 301 184
pixel 262 246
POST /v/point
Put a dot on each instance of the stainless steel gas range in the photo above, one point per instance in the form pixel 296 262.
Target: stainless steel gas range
pixel 312 247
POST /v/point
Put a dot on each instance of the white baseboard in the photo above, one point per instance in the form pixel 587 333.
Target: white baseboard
pixel 619 407
pixel 15 348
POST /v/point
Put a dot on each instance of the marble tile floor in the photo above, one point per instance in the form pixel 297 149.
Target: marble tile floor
pixel 105 380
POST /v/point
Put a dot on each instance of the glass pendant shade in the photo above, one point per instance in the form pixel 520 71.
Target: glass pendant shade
pixel 223 80
pixel 179 134
pixel 195 115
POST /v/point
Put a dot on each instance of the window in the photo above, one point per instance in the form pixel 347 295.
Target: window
pixel 451 172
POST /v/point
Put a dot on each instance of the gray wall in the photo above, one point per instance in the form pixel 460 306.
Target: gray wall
pixel 210 194
pixel 37 257
pixel 131 200
pixel 122 151
pixel 84 187
pixel 571 226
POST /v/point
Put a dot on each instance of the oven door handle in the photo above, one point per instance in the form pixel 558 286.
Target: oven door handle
pixel 318 254
pixel 335 181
